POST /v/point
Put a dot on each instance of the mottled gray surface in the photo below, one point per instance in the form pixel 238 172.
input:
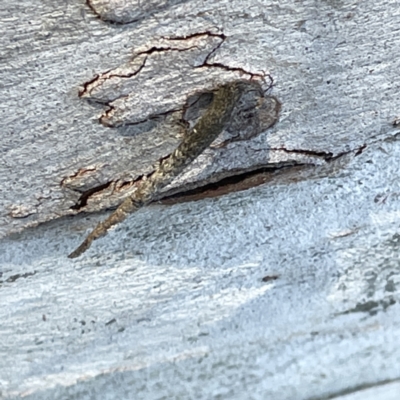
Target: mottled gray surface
pixel 334 66
pixel 172 304
pixel 387 391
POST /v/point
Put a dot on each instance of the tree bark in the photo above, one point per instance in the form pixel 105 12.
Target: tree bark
pixel 95 93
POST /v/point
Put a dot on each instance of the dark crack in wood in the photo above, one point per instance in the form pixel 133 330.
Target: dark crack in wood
pixel 125 12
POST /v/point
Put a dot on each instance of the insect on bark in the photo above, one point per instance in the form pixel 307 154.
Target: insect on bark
pixel 196 140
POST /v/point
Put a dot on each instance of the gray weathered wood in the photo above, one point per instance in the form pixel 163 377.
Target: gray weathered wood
pixel 173 303
pixel 54 148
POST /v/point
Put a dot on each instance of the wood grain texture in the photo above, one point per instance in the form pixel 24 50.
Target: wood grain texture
pixel 52 136
pixel 288 290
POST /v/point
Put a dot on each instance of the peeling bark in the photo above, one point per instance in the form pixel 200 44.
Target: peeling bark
pixel 138 77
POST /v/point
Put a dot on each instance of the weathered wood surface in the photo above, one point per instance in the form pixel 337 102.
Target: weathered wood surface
pixel 173 303
pixel 336 87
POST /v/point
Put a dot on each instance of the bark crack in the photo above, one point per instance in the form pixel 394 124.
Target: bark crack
pixel 88 86
pixel 128 12
pixel 231 183
pixel 325 155
pixel 84 198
